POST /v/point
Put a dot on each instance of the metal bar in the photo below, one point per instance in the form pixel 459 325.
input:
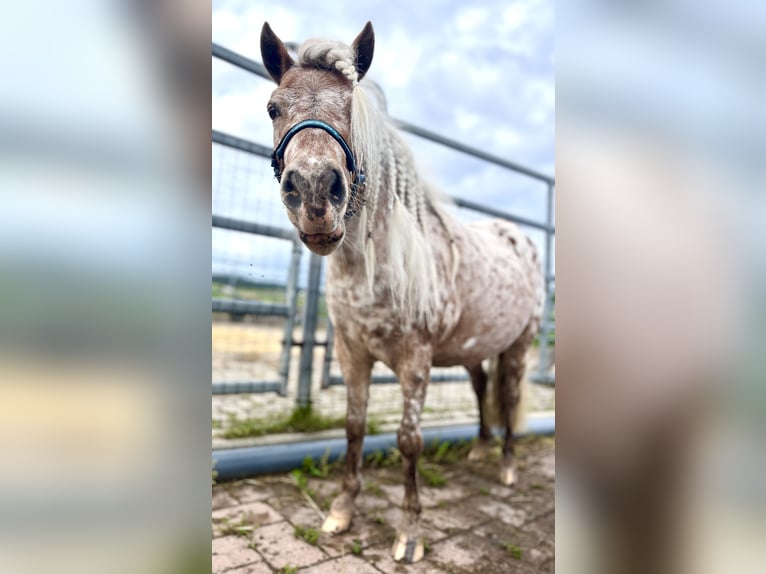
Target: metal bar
pixel 233 388
pixel 336 380
pixel 255 228
pixel 291 299
pixel 481 154
pixel 240 307
pixel 544 359
pixel 242 462
pixel 259 69
pixel 241 144
pixel 309 331
pixel 328 351
pixel 240 61
pixel 548 228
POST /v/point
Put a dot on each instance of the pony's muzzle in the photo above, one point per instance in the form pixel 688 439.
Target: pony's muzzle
pixel 314 188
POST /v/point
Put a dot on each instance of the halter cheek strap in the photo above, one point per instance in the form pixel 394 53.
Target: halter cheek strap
pixel 278 155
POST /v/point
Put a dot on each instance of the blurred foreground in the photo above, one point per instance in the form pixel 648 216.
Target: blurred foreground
pixel 660 308
pixel 104 257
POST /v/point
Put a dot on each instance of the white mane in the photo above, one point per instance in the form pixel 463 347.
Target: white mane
pixel 395 199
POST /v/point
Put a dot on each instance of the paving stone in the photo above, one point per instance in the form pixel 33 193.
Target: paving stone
pixel 251 490
pixel 471 553
pixel 385 563
pixel 255 514
pixel 458 517
pixel 504 512
pixel 467 523
pixel 304 516
pixel 223 499
pixel 366 531
pixel 232 551
pixel 279 547
pixel 547 466
pixel 258 568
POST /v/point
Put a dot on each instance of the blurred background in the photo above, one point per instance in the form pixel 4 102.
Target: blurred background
pixel 660 159
pixel 104 257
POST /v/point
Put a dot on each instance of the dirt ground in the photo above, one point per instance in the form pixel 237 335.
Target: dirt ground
pixel 472 524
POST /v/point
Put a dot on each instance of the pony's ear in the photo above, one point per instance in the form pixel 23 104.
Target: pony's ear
pixel 364 46
pixel 274 54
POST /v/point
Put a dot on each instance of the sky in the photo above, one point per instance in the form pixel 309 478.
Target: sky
pixel 481 73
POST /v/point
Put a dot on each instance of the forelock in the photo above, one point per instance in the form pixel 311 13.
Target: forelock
pixel 328 55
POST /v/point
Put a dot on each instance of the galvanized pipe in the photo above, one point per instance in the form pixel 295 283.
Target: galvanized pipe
pixel 309 330
pixel 243 462
pixel 291 299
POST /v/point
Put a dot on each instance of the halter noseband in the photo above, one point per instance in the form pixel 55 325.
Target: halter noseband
pixel 278 155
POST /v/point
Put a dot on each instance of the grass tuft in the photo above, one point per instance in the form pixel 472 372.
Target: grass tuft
pixel 310 535
pixel 513 550
pixel 356 547
pixel 301 420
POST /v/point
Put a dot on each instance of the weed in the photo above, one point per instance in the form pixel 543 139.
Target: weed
pixel 241 528
pixel 431 474
pixel 317 471
pixel 484 490
pixel 441 451
pixel 310 535
pixel 374 489
pixel 376 458
pixel 302 482
pixel 356 547
pixel 288 569
pixel 373 427
pixel 379 520
pixel 392 457
pixel 446 452
pixel 537 486
pixel 302 419
pixel 513 550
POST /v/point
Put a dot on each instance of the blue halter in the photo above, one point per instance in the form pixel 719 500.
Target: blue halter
pixel 357 183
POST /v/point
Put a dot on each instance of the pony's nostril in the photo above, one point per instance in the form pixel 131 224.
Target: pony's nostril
pixel 290 195
pixel 337 190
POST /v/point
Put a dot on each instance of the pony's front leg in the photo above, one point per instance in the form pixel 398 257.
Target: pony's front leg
pixel 357 371
pixel 413 376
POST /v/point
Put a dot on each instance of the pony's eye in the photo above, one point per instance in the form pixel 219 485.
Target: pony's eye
pixel 273 111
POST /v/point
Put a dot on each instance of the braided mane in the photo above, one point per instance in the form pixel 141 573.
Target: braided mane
pixel 394 192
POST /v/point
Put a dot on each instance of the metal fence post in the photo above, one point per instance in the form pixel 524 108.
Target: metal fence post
pixel 328 350
pixel 291 299
pixel 309 331
pixel 544 361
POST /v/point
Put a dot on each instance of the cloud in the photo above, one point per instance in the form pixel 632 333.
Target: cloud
pixel 480 73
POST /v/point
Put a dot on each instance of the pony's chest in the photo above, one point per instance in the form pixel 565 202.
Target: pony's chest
pixel 351 301
pixel 366 319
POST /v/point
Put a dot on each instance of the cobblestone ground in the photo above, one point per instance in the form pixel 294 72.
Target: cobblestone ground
pixel 472 524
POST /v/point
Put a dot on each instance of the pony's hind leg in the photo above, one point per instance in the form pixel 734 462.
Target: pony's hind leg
pixel 511 365
pixel 413 374
pixel 479 381
pixel 356 369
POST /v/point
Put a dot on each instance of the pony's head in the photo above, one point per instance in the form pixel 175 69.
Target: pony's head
pixel 315 115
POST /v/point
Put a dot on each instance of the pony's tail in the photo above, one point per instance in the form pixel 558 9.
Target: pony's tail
pixel 506 382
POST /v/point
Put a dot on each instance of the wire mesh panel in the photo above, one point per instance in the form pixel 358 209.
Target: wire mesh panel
pixel 251 272
pixel 260 274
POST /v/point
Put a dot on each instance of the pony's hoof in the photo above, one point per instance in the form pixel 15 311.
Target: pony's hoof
pixel 336 523
pixel 479 451
pixel 408 550
pixel 508 475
